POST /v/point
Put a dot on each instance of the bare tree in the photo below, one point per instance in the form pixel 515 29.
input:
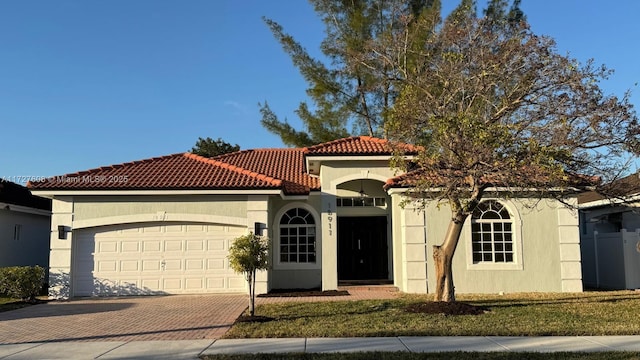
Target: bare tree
pixel 495 108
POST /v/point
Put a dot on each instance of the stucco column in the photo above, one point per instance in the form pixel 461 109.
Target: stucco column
pixel 569 236
pixel 258 212
pixel 329 255
pixel 60 255
pixel 414 250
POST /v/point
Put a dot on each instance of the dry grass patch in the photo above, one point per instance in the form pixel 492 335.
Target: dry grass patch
pixel 531 314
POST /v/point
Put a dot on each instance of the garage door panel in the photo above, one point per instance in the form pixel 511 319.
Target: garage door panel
pixel 152 246
pixel 215 264
pixel 153 284
pixel 173 245
pixel 172 284
pixel 195 284
pixel 195 245
pixel 130 246
pixel 130 265
pixel 194 264
pixel 215 283
pixel 107 266
pixel 151 265
pixel 154 258
pixel 173 228
pixel 108 247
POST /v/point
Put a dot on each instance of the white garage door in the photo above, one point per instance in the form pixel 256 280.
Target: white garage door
pixel 154 258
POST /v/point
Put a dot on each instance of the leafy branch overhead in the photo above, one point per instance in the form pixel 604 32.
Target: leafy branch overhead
pixel 492 103
pixel 348 96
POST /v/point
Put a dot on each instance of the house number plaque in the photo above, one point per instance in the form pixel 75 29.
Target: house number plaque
pixel 330 220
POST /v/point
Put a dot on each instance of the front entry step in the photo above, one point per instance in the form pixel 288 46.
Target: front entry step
pixel 365 285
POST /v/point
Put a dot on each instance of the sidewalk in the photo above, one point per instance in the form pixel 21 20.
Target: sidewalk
pixel 191 349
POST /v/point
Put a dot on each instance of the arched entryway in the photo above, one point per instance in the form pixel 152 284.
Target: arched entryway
pixel 364 247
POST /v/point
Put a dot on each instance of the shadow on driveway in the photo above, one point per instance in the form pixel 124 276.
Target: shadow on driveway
pixel 174 317
pixel 60 309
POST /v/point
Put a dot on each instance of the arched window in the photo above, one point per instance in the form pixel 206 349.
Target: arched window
pixel 297 237
pixel 492 233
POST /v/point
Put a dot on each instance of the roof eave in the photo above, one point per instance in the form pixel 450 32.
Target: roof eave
pixel 50 193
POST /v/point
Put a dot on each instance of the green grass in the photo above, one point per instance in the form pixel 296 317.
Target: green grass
pixel 532 314
pixel 431 356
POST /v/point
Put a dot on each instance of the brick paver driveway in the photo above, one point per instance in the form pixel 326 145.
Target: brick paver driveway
pixel 177 317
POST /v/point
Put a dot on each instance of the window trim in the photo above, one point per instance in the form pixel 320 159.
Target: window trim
pixel 277 264
pixel 516 232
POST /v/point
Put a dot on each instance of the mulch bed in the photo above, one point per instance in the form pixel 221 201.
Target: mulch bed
pixel 303 293
pixel 446 308
pixel 252 319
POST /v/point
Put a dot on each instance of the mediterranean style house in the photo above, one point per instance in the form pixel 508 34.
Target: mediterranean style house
pixel 335 213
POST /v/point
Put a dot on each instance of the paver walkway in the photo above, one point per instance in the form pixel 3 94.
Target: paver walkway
pixel 177 317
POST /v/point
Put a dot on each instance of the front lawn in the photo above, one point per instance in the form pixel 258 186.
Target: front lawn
pixel 531 314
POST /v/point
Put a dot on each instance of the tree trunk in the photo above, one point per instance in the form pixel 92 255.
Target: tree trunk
pixel 443 256
pixel 252 291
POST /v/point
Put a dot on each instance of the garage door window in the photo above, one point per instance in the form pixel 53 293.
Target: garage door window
pixel 297 237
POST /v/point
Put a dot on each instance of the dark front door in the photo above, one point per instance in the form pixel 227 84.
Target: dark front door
pixel 362 248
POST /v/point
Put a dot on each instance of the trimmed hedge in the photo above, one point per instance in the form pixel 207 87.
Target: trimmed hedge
pixel 22 282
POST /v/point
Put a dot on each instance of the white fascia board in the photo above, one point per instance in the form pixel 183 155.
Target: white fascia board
pixel 397 191
pixel 320 159
pixel 52 193
pixel 491 189
pixel 348 158
pixel 24 209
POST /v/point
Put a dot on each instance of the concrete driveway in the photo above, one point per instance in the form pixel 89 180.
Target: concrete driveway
pixel 176 317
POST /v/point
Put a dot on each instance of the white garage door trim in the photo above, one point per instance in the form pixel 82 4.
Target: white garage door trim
pixel 154 258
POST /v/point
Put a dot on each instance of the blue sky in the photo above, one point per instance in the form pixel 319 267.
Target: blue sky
pixel 85 84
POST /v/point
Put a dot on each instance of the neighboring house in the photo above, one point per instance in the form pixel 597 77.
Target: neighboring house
pixel 610 236
pixel 25 227
pixel 333 212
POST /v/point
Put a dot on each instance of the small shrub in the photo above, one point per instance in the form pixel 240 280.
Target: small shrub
pixel 248 254
pixel 22 282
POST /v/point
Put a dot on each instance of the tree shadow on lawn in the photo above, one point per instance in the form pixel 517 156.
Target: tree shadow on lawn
pixel 577 299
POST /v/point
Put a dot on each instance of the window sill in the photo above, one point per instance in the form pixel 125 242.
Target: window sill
pixel 296 266
pixel 495 266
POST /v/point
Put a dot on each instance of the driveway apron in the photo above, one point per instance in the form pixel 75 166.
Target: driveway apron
pixel 176 317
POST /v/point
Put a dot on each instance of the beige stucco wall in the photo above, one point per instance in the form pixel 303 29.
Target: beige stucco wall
pixel 91 207
pixel 547 250
pixel 292 276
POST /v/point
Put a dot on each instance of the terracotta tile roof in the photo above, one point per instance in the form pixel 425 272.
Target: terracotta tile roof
pixel 357 145
pixel 248 169
pixel 173 172
pixel 284 164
